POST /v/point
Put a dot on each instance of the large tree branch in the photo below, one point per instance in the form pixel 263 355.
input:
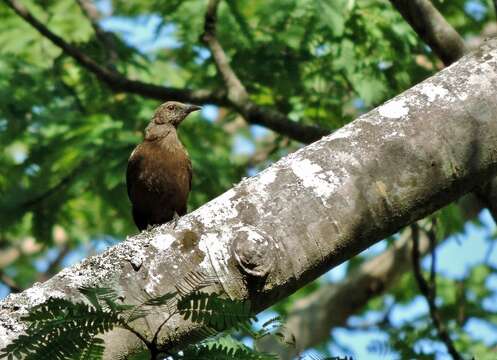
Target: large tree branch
pixel 311 319
pixel 449 46
pixel 310 211
pixel 253 113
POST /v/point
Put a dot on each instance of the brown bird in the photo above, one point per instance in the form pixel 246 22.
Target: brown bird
pixel 159 170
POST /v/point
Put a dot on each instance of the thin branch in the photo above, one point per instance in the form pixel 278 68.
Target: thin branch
pixel 429 291
pixel 238 95
pixel 495 7
pixel 65 181
pixel 242 23
pixel 253 113
pixel 54 265
pixel 156 335
pixel 432 27
pixel 113 79
pixel 236 91
pixel 91 12
pixel 10 283
pixel 487 194
pixel 147 343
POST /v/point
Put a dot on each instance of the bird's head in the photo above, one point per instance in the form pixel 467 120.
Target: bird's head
pixel 173 113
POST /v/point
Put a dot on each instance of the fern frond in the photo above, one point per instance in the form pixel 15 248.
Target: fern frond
pixel 223 348
pixel 195 281
pixel 96 295
pixel 268 327
pixel 94 350
pixel 276 321
pixel 61 347
pixel 60 329
pixel 214 311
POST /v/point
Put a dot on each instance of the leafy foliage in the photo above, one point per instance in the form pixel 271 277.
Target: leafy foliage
pixel 62 329
pixel 223 348
pixel 214 311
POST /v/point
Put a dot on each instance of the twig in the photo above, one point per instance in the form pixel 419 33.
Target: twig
pixel 242 23
pixel 65 181
pixel 236 91
pixel 487 195
pixel 238 95
pixel 54 265
pixel 429 290
pixel 156 335
pixel 147 343
pixel 10 283
pixel 108 45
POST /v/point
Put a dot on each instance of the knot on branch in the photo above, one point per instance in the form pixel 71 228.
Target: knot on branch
pixel 253 251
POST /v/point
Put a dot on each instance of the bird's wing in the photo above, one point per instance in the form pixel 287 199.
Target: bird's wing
pixel 190 173
pixel 132 172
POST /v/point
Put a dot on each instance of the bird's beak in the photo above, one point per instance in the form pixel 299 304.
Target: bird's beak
pixel 192 108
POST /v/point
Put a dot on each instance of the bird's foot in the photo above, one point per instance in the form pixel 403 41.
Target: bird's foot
pixel 151 226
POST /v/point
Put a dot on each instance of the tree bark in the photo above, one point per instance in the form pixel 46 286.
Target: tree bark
pixel 310 211
pixel 313 318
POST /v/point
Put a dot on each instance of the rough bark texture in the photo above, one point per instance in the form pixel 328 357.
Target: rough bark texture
pixel 311 319
pixel 310 211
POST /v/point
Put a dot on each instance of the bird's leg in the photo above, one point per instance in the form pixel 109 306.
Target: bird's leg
pixel 176 218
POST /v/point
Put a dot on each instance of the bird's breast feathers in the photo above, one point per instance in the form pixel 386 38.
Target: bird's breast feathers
pixel 160 167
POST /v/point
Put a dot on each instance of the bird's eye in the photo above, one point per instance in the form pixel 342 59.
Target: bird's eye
pixel 170 107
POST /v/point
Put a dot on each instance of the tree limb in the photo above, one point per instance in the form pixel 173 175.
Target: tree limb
pixel 313 318
pixel 108 45
pixel 432 27
pixel 236 91
pixel 449 46
pixel 309 212
pixel 113 79
pixel 238 96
